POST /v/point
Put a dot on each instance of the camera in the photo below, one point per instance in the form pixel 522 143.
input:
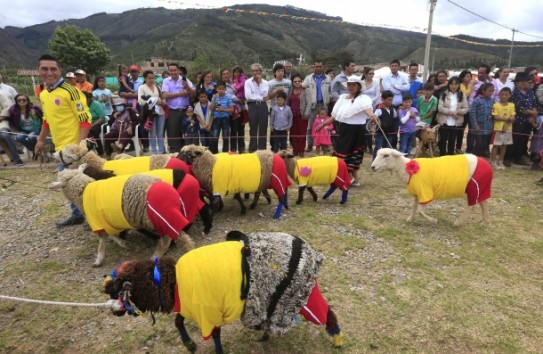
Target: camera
pixel 184 78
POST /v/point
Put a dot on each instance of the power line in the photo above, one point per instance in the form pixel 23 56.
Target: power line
pixel 494 22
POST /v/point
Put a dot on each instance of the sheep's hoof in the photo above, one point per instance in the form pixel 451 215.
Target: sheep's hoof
pixel 97 264
pixel 433 220
pixel 298 202
pixel 243 211
pixel 207 230
pixel 190 345
pixel 264 337
pixel 457 223
pixel 268 199
pixel 252 206
pixel 410 219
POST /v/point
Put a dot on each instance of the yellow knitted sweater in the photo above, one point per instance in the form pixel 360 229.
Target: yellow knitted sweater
pixel 236 174
pixel 128 166
pixel 209 285
pixel 322 170
pixel 439 178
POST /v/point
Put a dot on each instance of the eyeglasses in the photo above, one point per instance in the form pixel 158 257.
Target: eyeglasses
pixel 22 100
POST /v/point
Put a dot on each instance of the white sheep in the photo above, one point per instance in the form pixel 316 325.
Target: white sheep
pixel 440 178
pixel 74 155
pixel 320 170
pixel 126 202
pixel 224 174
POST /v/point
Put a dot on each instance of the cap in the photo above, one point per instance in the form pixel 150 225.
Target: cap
pixel 70 74
pixel 134 67
pixel 522 77
pixel 354 79
pixel 118 101
pixel 80 71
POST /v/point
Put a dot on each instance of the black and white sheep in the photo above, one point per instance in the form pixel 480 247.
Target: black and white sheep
pixel 263 278
pixel 126 202
pixel 224 174
pixel 440 178
pixel 320 170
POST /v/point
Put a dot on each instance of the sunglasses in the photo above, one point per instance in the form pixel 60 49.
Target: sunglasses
pixel 22 100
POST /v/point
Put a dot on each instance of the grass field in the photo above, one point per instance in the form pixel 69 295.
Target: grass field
pixel 395 286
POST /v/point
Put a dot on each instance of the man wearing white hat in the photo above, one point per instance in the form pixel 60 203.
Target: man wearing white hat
pixel 70 78
pixel 81 81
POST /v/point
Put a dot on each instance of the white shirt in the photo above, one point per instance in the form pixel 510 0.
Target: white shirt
pixel 453 99
pixel 254 91
pixel 349 112
pixel 397 84
pixel 373 91
pixel 9 91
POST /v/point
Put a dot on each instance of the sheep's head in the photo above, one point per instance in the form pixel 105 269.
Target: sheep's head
pixel 387 159
pixel 191 152
pixel 285 154
pixel 70 154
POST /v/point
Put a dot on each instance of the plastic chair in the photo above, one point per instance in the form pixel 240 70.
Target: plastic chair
pixel 136 141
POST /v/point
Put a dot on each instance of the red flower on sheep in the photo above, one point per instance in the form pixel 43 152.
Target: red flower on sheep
pixel 412 167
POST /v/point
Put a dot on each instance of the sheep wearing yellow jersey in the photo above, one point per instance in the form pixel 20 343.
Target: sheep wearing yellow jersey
pixel 223 174
pixel 440 178
pixel 126 202
pixel 265 279
pixel 73 155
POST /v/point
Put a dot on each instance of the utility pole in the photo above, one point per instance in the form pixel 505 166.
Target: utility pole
pixel 511 50
pixel 428 40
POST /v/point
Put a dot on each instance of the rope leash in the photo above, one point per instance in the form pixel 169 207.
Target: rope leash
pixel 110 303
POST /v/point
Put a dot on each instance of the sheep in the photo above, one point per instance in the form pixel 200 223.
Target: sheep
pixel 224 174
pixel 263 278
pixel 325 170
pixel 73 155
pixel 440 178
pixel 186 185
pixel 126 202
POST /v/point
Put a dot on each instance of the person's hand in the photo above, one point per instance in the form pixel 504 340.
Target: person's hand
pixel 476 129
pixel 319 127
pixel 129 130
pixel 40 146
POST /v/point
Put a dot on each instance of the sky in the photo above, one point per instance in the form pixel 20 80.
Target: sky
pixel 449 19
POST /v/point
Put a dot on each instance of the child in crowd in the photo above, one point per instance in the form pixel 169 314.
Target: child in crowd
pixel 409 117
pixel 322 138
pixel 103 95
pixel 204 117
pixel 222 107
pixel 191 127
pixel 420 93
pixel 280 121
pixel 389 124
pixel 480 115
pixel 123 78
pixel 427 104
pixel 503 114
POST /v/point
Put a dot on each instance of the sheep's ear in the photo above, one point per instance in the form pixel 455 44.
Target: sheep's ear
pixel 57 185
pixel 396 153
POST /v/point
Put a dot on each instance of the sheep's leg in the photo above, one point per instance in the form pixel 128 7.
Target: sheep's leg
pixel 344 196
pixel 119 241
pixel 284 200
pixel 464 216
pixel 237 197
pixel 278 210
pixel 313 193
pixel 413 210
pixel 216 334
pixel 267 195
pixel 329 192
pixel 101 254
pixel 426 216
pixel 265 337
pixel 207 218
pixel 161 247
pixel 184 242
pixel 255 200
pixel 187 342
pixel 484 212
pixel 301 190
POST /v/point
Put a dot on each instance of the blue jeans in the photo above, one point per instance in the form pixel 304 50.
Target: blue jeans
pixel 380 142
pixel 7 139
pixel 205 137
pixel 28 139
pixel 218 125
pixel 156 136
pixel 406 142
pixel 75 211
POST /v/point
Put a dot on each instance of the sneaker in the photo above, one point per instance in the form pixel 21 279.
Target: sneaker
pixel 507 163
pixel 458 151
pixel 494 165
pixel 500 165
pixel 19 164
pixel 309 149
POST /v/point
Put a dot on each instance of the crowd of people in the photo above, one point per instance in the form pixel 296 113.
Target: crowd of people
pixel 303 113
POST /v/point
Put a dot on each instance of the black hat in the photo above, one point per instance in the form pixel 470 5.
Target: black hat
pixel 522 77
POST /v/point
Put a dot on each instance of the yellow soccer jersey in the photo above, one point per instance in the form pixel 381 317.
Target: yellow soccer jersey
pixel 501 111
pixel 64 111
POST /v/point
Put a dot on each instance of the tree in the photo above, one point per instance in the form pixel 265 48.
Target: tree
pixel 78 48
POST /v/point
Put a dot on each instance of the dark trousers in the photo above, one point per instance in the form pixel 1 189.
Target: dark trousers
pixel 481 144
pixel 237 135
pixel 447 140
pixel 174 129
pixel 258 125
pixel 521 136
pixel 279 140
pixel 113 136
pixel 470 140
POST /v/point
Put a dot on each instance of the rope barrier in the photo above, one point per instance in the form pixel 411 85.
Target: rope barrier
pixel 108 303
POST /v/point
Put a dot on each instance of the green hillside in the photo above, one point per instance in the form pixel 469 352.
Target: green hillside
pixel 229 38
